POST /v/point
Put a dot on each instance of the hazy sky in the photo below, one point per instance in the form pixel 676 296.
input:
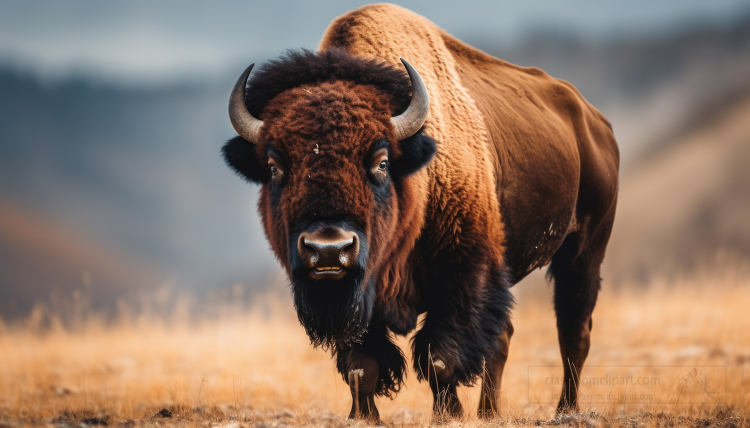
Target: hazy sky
pixel 147 41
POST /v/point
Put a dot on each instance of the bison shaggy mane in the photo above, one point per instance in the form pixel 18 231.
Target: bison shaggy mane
pixel 302 67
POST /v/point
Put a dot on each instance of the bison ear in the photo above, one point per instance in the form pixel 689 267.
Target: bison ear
pixel 242 157
pixel 416 152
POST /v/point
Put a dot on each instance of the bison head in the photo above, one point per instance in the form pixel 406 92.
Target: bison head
pixel 331 138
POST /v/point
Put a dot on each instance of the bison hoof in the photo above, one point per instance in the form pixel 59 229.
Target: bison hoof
pixel 356 372
pixel 439 364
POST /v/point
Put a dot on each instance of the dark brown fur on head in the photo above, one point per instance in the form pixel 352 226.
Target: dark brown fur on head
pixel 298 68
pixel 324 115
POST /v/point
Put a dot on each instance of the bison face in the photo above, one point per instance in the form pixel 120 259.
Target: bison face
pixel 331 165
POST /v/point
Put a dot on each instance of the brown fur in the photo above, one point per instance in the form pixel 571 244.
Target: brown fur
pixel 504 132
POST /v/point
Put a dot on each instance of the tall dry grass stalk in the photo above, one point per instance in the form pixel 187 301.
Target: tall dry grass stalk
pixel 690 338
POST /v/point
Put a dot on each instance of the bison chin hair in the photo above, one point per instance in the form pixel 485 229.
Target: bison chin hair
pixel 334 312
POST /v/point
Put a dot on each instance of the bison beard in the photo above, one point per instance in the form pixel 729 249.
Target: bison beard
pixel 334 312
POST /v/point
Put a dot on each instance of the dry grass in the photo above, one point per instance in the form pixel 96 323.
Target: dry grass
pixel 249 368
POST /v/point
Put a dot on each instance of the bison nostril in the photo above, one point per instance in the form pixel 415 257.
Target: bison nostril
pixel 309 250
pixel 348 254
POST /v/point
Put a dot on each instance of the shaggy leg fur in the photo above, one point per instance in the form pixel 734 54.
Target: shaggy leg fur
pixel 466 313
pixel 576 273
pixel 373 367
pixel 489 402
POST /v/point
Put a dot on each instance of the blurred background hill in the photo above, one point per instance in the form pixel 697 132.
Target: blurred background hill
pixel 112 116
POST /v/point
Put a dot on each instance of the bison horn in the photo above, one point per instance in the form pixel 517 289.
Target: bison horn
pixel 410 121
pixel 242 121
pixel 406 124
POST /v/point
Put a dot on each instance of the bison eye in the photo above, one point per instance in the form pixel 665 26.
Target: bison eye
pixel 276 169
pixel 379 164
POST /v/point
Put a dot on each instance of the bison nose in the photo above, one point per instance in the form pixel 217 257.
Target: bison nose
pixel 328 250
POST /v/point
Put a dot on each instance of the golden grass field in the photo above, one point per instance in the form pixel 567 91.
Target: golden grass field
pixel 689 339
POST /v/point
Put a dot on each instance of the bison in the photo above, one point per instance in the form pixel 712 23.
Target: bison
pixel 389 194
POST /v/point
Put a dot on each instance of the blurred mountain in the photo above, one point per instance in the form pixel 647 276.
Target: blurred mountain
pixel 39 258
pixel 686 207
pixel 136 172
pixel 125 186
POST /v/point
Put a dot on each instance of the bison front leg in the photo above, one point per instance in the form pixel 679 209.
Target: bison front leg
pixel 466 313
pixel 445 400
pixel 363 391
pixel 373 367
